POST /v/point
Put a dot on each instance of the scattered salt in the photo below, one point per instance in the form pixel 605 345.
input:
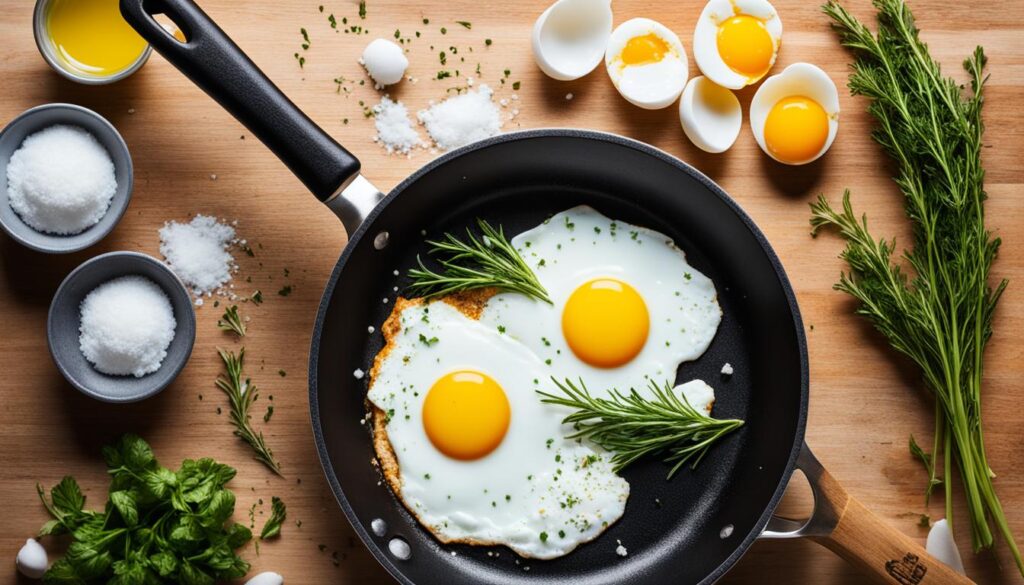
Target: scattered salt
pixel 384 61
pixel 61 180
pixel 727 369
pixel 621 550
pixel 370 329
pixel 394 128
pixel 358 374
pixel 126 326
pixel 198 252
pixel 462 119
pixel 568 96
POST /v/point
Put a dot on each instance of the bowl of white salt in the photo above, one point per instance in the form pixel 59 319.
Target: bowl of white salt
pixel 65 178
pixel 121 327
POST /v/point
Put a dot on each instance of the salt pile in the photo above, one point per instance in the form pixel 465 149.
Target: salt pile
pixel 394 128
pixel 462 119
pixel 198 252
pixel 61 180
pixel 126 326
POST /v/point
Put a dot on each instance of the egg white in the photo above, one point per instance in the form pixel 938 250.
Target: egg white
pixel 536 481
pixel 710 114
pixel 569 38
pixel 580 244
pixel 797 79
pixel 655 85
pixel 705 38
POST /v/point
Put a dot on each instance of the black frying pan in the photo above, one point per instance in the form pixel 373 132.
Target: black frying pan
pixel 691 529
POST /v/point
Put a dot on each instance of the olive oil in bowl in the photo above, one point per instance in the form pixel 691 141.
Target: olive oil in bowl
pixel 88 40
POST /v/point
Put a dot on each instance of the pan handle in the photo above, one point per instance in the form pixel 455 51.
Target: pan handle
pixel 845 526
pixel 215 63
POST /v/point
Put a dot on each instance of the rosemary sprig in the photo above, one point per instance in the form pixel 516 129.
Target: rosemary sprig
pixel 231 321
pixel 938 313
pixel 632 426
pixel 480 262
pixel 242 395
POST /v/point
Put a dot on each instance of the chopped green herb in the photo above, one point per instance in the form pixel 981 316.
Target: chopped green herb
pixel 464 23
pixel 444 31
pixel 282 373
pixel 269 413
pixel 278 513
pixel 231 321
pixel 285 290
pixel 516 85
pixel 428 342
pixel 543 536
pixel 362 9
pixel 488 42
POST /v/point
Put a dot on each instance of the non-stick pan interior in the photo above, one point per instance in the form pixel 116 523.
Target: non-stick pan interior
pixel 686 530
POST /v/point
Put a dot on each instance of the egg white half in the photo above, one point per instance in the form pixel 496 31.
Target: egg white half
pixel 705 38
pixel 655 85
pixel 797 79
pixel 710 114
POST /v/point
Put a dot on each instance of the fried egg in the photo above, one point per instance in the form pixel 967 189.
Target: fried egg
pixel 626 305
pixel 736 42
pixel 795 115
pixel 647 63
pixel 467 446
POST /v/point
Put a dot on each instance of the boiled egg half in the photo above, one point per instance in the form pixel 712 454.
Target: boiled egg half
pixel 570 37
pixel 647 63
pixel 710 115
pixel 736 41
pixel 795 115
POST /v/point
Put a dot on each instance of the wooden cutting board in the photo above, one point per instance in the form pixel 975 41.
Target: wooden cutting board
pixel 191 157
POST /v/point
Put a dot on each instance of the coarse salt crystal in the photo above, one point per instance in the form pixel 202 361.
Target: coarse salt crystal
pixel 621 550
pixel 727 369
pixel 61 180
pixel 394 128
pixel 462 119
pixel 198 252
pixel 358 374
pixel 126 326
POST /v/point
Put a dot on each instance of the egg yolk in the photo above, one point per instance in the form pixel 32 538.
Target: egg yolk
pixel 745 46
pixel 643 50
pixel 796 129
pixel 605 322
pixel 466 414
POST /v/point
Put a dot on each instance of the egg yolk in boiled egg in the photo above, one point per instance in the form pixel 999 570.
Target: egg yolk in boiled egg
pixel 605 322
pixel 466 414
pixel 796 129
pixel 745 45
pixel 644 50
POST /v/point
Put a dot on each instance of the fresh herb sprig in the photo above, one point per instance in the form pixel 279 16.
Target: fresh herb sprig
pixel 242 394
pixel 939 315
pixel 278 514
pixel 486 261
pixel 159 526
pixel 232 321
pixel 632 426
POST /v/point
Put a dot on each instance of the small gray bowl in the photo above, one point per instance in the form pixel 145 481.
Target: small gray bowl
pixel 40 118
pixel 65 316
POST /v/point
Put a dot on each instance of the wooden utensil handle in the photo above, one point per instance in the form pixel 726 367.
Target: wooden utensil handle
pixel 846 527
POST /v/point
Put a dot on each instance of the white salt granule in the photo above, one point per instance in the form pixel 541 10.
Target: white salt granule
pixel 621 550
pixel 126 326
pixel 198 252
pixel 394 128
pixel 61 180
pixel 384 61
pixel 727 369
pixel 462 119
pixel 358 374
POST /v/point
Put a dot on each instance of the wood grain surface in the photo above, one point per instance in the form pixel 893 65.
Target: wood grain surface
pixel 191 157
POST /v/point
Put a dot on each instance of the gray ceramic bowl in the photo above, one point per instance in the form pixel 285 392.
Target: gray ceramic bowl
pixel 63 322
pixel 42 117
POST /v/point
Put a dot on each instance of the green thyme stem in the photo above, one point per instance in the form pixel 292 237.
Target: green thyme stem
pixel 939 312
pixel 232 321
pixel 488 261
pixel 242 395
pixel 633 427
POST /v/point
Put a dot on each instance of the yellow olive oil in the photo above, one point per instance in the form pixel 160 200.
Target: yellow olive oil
pixel 91 37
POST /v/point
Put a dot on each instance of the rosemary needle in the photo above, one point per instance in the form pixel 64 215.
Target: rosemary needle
pixel 632 426
pixel 242 394
pixel 231 321
pixel 488 261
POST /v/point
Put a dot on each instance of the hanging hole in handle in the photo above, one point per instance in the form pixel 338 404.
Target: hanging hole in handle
pixel 380 241
pixel 176 32
pixel 795 512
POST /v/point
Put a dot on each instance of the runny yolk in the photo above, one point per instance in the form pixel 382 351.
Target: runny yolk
pixel 466 414
pixel 745 46
pixel 605 322
pixel 796 129
pixel 644 50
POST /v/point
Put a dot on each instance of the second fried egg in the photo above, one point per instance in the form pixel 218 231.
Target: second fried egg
pixel 626 305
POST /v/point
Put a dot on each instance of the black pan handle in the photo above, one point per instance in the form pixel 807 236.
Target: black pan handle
pixel 215 63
